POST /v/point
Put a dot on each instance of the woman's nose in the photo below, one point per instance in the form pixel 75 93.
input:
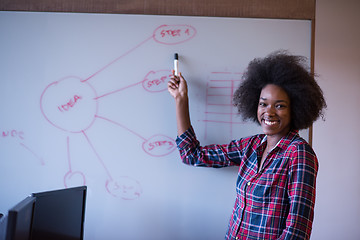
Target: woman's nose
pixel 270 110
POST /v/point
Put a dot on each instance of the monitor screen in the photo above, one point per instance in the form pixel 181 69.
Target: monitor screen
pixel 59 214
pixel 19 220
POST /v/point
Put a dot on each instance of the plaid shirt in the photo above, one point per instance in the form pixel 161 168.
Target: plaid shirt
pixel 275 202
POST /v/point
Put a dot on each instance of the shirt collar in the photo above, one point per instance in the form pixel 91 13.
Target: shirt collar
pixel 287 139
pixel 284 141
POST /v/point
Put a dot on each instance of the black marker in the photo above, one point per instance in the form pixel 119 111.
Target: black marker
pixel 176 64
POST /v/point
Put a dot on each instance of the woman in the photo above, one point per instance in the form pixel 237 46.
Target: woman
pixel 277 169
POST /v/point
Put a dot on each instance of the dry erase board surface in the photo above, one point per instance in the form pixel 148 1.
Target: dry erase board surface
pixel 84 102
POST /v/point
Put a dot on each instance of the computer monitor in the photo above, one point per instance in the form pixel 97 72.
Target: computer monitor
pixel 19 220
pixel 3 220
pixel 59 214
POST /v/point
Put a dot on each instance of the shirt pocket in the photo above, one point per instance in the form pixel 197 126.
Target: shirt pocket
pixel 261 192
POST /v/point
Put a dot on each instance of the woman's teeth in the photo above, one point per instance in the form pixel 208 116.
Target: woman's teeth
pixel 270 123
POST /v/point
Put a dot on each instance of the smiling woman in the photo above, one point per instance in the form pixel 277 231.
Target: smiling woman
pixel 277 169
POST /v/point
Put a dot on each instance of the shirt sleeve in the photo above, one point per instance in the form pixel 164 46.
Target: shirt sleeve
pixel 301 190
pixel 215 156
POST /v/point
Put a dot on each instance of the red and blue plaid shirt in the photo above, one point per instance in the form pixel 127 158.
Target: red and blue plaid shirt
pixel 275 202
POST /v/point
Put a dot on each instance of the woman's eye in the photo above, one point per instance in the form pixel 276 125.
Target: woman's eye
pixel 261 104
pixel 280 106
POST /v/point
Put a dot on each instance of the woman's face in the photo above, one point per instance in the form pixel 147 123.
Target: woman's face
pixel 274 111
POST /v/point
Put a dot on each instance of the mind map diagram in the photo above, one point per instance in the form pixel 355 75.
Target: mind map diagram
pixel 71 104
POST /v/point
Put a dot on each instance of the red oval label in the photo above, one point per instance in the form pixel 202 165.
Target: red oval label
pixel 174 34
pixel 156 81
pixel 159 145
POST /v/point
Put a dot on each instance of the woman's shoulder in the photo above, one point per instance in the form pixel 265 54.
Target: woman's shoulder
pixel 301 151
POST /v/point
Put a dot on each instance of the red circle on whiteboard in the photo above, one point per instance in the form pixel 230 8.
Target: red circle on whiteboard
pixel 69 104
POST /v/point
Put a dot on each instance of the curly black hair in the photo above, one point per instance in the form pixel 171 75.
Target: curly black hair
pixel 289 72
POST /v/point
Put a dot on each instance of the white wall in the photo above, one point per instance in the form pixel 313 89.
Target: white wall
pixel 336 141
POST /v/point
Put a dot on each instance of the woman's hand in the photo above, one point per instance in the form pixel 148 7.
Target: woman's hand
pixel 177 87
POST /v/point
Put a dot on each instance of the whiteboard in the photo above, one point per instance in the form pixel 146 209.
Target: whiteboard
pixel 84 102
